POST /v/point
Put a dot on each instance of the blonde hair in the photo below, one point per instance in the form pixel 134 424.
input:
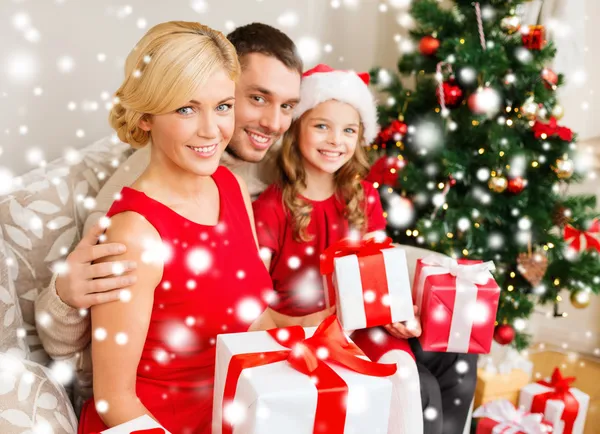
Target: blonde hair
pixel 348 188
pixel 163 71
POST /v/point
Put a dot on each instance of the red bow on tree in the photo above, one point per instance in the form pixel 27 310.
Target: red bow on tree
pixel 551 129
pixel 577 239
pixel 385 171
pixel 388 133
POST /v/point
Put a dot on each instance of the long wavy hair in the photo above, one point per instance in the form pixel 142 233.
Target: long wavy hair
pixel 291 179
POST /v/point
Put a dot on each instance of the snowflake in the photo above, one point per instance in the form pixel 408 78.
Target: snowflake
pixel 294 262
pixel 288 19
pixel 178 336
pixel 400 211
pixel 234 413
pixel 309 49
pixel 44 319
pixel 22 67
pixel 248 310
pixel 121 338
pixel 62 372
pixel 65 64
pixel 430 413
pixel 101 406
pixel 199 6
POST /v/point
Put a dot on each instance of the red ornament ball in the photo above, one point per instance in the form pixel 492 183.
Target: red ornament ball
pixel 504 334
pixel 453 94
pixel 549 77
pixel 516 185
pixel 429 45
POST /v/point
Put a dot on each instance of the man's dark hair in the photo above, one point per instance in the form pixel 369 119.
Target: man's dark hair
pixel 267 40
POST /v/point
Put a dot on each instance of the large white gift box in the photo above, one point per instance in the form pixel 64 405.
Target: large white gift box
pixel 141 423
pixel 277 397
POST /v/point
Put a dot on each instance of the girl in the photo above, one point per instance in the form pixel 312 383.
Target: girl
pixel 319 197
pixel 187 222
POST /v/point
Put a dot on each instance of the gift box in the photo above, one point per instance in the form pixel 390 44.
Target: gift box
pixel 501 416
pixel 141 425
pixel 368 282
pixel 563 406
pixel 534 37
pixel 457 302
pixel 300 381
pixel 494 386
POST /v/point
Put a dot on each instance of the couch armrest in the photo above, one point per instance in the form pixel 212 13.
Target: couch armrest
pixel 31 397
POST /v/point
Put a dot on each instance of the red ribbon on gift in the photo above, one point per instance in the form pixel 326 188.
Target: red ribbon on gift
pixel 373 278
pixel 576 237
pixel 308 357
pixel 145 431
pixel 561 392
pixel 551 129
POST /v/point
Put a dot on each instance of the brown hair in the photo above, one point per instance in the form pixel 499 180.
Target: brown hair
pixel 348 188
pixel 163 71
pixel 267 40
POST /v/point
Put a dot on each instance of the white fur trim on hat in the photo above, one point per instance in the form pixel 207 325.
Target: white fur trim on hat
pixel 343 86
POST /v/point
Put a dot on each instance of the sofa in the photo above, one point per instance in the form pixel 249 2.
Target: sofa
pixel 41 220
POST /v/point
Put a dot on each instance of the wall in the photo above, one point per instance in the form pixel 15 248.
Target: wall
pixel 49 57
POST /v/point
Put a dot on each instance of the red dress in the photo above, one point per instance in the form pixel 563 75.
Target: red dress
pixel 295 265
pixel 214 282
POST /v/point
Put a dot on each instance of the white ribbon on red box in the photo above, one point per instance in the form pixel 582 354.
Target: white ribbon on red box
pixel 468 276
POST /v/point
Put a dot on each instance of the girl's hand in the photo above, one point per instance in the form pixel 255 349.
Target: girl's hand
pixel 406 329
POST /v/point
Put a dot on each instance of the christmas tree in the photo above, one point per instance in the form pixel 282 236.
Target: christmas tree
pixel 473 162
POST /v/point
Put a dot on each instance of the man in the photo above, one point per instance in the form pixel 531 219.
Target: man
pixel 266 93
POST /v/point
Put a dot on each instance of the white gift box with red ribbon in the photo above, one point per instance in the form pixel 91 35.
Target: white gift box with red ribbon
pixel 368 282
pixel 141 425
pixel 259 391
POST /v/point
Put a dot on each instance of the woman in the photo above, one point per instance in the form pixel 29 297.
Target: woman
pixel 188 224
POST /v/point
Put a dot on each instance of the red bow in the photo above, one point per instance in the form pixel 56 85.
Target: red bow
pixel 560 386
pixel 306 356
pixel 381 171
pixel 396 127
pixel 347 247
pixel 575 237
pixel 321 67
pixel 551 129
pixel 145 431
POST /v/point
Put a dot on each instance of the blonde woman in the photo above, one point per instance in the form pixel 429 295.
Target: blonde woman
pixel 188 224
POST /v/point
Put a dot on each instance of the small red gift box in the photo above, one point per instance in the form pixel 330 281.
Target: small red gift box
pixel 534 37
pixel 501 417
pixel 457 301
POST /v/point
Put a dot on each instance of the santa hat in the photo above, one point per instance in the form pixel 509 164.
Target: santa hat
pixel 323 83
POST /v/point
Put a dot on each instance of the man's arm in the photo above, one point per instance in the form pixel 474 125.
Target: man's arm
pixel 61 310
pixel 62 329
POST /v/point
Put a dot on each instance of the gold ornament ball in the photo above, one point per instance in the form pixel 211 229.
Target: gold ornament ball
pixel 558 112
pixel 564 168
pixel 530 109
pixel 580 299
pixel 511 24
pixel 498 184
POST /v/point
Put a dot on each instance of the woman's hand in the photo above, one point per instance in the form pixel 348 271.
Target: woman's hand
pixel 406 329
